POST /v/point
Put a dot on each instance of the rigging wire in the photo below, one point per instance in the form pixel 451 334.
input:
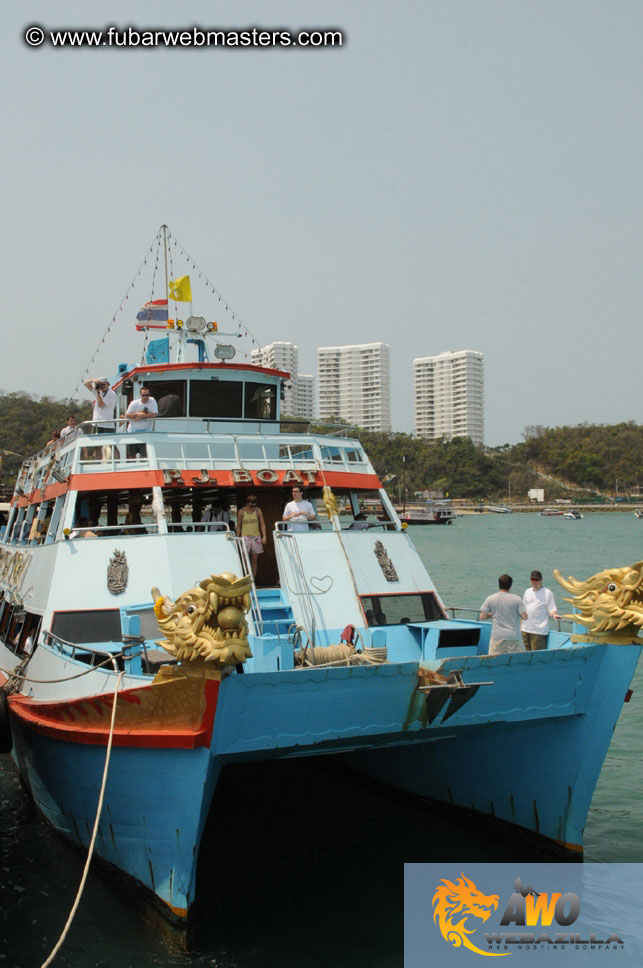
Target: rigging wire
pixel 173 241
pixel 119 310
pixel 212 287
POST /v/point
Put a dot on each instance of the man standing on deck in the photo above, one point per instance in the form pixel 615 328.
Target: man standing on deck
pixel 104 404
pixel 539 605
pixel 506 611
pixel 140 412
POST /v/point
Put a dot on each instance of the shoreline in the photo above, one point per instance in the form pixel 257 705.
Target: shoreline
pixel 528 509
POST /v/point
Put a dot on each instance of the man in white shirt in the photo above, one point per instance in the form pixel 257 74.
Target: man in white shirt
pixel 505 610
pixel 539 605
pixel 70 426
pixel 140 411
pixel 104 404
pixel 298 512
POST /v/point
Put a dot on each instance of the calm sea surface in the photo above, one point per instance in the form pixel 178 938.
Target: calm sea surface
pixel 305 864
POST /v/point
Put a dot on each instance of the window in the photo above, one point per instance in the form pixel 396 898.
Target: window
pixel 260 401
pixel 401 609
pixel 99 625
pixel 215 398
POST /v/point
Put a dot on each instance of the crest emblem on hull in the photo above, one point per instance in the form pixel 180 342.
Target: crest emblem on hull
pixel 117 573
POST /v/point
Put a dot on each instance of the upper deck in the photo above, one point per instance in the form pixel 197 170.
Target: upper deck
pixel 225 430
pixel 196 452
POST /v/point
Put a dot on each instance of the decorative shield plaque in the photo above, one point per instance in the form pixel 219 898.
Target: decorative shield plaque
pixel 117 573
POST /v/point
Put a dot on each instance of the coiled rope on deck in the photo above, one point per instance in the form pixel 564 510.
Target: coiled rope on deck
pixel 92 843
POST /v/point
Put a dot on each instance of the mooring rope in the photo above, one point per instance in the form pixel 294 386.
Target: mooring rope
pixel 92 843
pixel 44 682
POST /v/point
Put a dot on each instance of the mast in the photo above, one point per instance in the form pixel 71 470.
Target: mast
pixel 180 333
pixel 167 281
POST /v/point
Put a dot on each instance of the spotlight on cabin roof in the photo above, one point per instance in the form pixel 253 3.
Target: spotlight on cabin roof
pixel 196 324
pixel 224 351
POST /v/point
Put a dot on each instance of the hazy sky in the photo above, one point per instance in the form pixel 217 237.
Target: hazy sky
pixel 460 174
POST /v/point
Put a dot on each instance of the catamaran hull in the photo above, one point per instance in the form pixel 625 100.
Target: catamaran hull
pixel 522 741
pixel 537 773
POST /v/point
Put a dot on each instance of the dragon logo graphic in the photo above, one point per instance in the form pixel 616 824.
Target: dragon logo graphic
pixel 454 903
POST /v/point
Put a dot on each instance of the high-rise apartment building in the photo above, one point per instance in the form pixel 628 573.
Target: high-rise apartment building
pixel 354 383
pixel 449 395
pixel 305 395
pixel 299 391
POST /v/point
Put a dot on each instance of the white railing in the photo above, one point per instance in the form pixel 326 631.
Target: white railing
pixel 301 589
pixel 255 609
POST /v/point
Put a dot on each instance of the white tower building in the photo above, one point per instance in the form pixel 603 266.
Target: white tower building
pixel 449 395
pixel 354 383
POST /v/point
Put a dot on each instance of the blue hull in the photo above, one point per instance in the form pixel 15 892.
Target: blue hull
pixel 536 760
pixel 155 809
pixel 526 747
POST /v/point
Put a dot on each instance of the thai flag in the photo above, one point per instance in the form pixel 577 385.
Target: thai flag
pixel 153 312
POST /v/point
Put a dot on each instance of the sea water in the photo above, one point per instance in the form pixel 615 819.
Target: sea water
pixel 305 863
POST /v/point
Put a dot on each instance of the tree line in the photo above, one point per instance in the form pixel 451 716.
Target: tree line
pixel 27 423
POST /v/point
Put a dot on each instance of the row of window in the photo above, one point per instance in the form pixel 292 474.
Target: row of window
pixel 216 398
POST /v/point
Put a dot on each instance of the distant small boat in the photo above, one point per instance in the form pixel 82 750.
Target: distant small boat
pixel 498 508
pixel 573 514
pixel 638 513
pixel 436 515
pixel 552 512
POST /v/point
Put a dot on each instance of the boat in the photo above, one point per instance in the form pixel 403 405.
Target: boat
pixel 498 508
pixel 438 514
pixel 552 513
pixel 572 514
pixel 140 657
pixel 638 513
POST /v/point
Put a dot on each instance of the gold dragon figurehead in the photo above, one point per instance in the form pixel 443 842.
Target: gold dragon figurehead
pixel 610 603
pixel 453 903
pixel 207 622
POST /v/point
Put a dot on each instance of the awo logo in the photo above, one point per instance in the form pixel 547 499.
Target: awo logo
pixel 457 905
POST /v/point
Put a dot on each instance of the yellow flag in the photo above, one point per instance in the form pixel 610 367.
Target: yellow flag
pixel 180 289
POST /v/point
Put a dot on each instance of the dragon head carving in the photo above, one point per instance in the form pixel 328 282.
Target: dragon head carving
pixel 207 622
pixel 610 604
pixel 453 903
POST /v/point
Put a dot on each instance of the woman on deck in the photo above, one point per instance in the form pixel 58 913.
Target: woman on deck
pixel 252 529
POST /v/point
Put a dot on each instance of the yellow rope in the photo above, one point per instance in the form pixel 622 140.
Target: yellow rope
pixel 90 852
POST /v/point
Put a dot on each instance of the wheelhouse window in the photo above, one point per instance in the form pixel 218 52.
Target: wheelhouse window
pixel 170 397
pixel 401 609
pixel 216 398
pixel 260 401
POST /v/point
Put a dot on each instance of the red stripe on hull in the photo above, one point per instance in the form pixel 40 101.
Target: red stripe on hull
pixel 87 720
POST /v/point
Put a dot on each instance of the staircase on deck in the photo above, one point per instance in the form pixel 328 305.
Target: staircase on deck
pixel 277 616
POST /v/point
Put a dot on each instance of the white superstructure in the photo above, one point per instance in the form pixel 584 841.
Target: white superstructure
pixel 354 383
pixel 449 395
